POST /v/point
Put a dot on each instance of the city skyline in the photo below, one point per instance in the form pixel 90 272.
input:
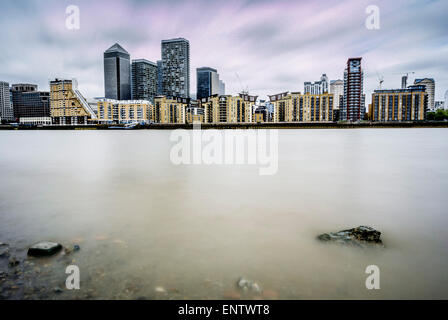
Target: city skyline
pixel 269 56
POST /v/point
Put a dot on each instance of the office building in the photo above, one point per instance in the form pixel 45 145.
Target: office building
pixel 176 67
pixel 430 85
pixel 208 82
pixel 67 105
pixel 222 88
pixel 194 112
pixel 117 73
pixel 408 104
pixel 123 111
pixel 318 87
pixel 144 80
pixel 297 107
pixel 353 104
pixel 337 89
pixel 6 108
pixel 28 102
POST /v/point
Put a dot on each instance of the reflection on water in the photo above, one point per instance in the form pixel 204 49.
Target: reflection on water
pixel 149 229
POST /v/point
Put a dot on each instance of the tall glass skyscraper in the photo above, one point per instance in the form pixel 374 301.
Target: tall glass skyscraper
pixel 159 77
pixel 176 67
pixel 144 80
pixel 207 82
pixel 117 73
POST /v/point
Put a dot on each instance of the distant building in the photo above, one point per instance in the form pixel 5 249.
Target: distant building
pixel 438 105
pixel 222 88
pixel 297 107
pixel 144 80
pixel 194 112
pixel 430 84
pixel 6 110
pixel 169 109
pixel 446 100
pixel 176 67
pixel 399 104
pixel 353 104
pixel 123 111
pixel 159 78
pixel 318 87
pixel 117 73
pixel 207 80
pixel 67 104
pixel 337 89
pixel 228 109
pixel 28 102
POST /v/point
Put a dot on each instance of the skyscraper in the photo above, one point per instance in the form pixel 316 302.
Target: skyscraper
pixel 207 82
pixel 337 89
pixel 6 111
pixel 430 85
pixel 144 80
pixel 117 73
pixel 222 88
pixel 159 77
pixel 353 102
pixel 318 87
pixel 176 67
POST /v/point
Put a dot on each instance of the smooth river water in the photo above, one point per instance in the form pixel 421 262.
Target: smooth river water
pixel 149 229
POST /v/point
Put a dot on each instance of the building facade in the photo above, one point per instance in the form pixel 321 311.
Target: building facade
pixel 297 107
pixel 144 80
pixel 176 67
pixel 159 78
pixel 169 109
pixel 207 82
pixel 337 89
pixel 353 104
pixel 117 73
pixel 67 104
pixel 399 105
pixel 194 112
pixel 6 107
pixel 123 111
pixel 28 102
pixel 430 85
pixel 229 109
pixel 222 88
pixel 318 87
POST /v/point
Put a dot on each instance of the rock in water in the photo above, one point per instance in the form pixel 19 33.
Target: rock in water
pixel 44 249
pixel 357 236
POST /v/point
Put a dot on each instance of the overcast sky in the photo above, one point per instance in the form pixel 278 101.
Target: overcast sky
pixel 274 46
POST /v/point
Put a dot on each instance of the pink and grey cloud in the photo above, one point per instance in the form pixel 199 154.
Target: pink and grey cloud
pixel 273 45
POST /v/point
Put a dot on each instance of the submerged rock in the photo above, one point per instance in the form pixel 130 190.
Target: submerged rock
pixel 44 249
pixel 359 236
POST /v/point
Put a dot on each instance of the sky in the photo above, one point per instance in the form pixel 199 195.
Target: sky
pixel 271 46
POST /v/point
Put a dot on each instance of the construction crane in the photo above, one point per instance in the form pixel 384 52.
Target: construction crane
pixel 380 79
pixel 241 85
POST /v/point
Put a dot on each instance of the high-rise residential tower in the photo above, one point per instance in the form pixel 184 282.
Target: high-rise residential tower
pixel 337 89
pixel 159 77
pixel 353 108
pixel 117 73
pixel 430 85
pixel 6 111
pixel 207 82
pixel 144 80
pixel 176 67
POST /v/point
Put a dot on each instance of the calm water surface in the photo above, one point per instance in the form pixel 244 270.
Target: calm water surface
pixel 144 223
